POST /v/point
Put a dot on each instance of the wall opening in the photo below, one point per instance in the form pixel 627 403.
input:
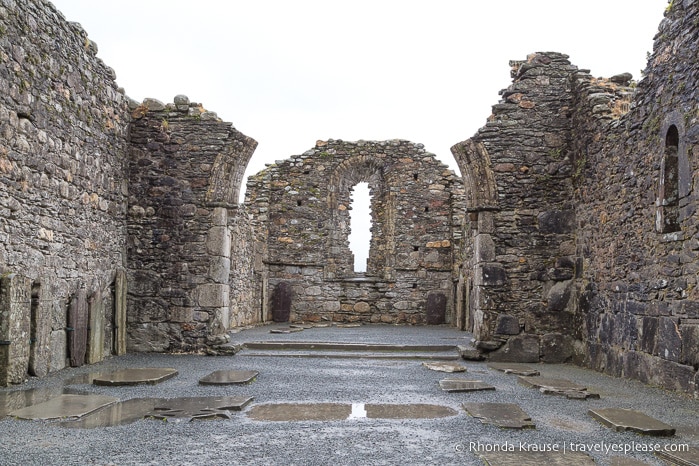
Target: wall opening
pixel 668 215
pixel 360 226
pixel 34 324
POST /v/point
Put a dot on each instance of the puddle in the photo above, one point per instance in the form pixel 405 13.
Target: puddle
pixel 18 399
pixel 340 412
pixel 123 412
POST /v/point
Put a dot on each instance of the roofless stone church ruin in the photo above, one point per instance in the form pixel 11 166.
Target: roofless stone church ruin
pixel 572 236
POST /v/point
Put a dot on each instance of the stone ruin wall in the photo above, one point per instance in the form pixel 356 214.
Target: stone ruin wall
pixel 62 194
pixel 185 171
pixel 637 229
pixel 517 173
pixel 303 207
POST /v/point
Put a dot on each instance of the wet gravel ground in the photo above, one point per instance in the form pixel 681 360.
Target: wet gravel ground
pixel 445 441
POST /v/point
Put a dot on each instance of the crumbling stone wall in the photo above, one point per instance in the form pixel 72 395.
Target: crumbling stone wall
pixel 185 170
pixel 302 207
pixel 517 173
pixel 62 190
pixel 636 216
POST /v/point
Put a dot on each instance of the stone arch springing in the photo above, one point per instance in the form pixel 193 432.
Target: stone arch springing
pixel 668 213
pixel 340 261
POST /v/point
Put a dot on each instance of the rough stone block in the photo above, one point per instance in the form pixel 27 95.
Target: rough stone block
pixel 668 344
pixel 15 311
pixel 218 242
pixel 490 275
pixel 484 248
pixel 556 221
pixel 556 348
pixel 559 296
pixel 77 328
pixel 40 352
pixel 220 269
pixel 212 295
pixel 521 348
pixel 507 325
pixel 58 343
pixel 436 308
pixel 95 345
pixel 690 345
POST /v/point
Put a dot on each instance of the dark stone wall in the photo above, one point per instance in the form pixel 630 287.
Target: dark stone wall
pixel 302 206
pixel 637 228
pixel 62 185
pixel 185 167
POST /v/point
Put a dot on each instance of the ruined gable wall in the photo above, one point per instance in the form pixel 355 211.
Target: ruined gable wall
pixel 303 207
pixel 517 174
pixel 639 282
pixel 185 167
pixel 62 184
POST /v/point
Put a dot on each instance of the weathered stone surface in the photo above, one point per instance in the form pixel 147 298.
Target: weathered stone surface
pixel 136 376
pixel 64 406
pixel 559 296
pixel 40 331
pixel 685 458
pixel 15 310
pixel 436 308
pixel 507 325
pixel 77 328
pixel 463 385
pixel 516 369
pixel 556 348
pixel 444 366
pixel 562 387
pixel 470 353
pixel 537 458
pixel 228 377
pixel 627 419
pixel 95 344
pixel 507 415
pixel 521 348
pixel 282 298
pixel 198 408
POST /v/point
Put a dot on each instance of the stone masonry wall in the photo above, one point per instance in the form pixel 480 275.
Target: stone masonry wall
pixel 636 218
pixel 62 188
pixel 302 205
pixel 517 172
pixel 185 169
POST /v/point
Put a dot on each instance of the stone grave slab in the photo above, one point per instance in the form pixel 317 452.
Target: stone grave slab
pixel 621 420
pixel 444 366
pixel 64 406
pixel 123 412
pixel 514 368
pixel 136 376
pixel 286 330
pixel 537 458
pixel 508 415
pixel 626 461
pixel 463 385
pixel 228 377
pixel 683 458
pixel 77 328
pixel 563 387
pixel 300 412
pixel 15 328
pixel 199 408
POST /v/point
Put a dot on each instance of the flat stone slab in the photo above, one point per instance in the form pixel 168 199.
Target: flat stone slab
pixel 444 366
pixel 287 412
pixel 143 375
pixel 64 406
pixel 199 408
pixel 514 368
pixel 462 385
pixel 228 377
pixel 683 458
pixel 537 458
pixel 508 415
pixel 286 330
pixel 563 387
pixel 621 420
pixel 625 461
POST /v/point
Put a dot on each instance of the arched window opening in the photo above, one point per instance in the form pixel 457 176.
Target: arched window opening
pixel 360 226
pixel 668 218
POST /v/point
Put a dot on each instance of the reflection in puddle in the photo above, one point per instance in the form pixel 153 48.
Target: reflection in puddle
pixel 18 399
pixel 123 412
pixel 339 412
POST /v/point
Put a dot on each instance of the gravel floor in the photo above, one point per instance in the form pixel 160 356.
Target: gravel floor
pixel 242 440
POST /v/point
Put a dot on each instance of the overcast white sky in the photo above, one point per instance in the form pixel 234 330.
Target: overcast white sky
pixel 290 72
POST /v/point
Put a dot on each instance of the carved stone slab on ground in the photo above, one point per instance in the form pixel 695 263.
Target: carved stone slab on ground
pixel 136 376
pixel 228 377
pixel 508 415
pixel 199 408
pixel 621 419
pixel 286 330
pixel 514 368
pixel 442 366
pixel 463 385
pixel 64 406
pixel 563 387
pixel 683 458
pixel 537 458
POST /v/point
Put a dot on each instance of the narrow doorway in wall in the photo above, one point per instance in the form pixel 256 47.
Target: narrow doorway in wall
pixel 360 226
pixel 34 327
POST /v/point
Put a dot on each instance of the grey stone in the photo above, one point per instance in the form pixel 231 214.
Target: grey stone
pixel 470 353
pixel 559 296
pixel 96 332
pixel 463 385
pixel 562 387
pixel 198 408
pixel 153 105
pixel 181 99
pixel 622 78
pixel 556 221
pixel 520 348
pixel 621 420
pixel 556 348
pixel 513 368
pixel 15 310
pixel 684 458
pixel 136 376
pixel 507 415
pixel 444 366
pixel 228 377
pixel 507 325
pixel 64 406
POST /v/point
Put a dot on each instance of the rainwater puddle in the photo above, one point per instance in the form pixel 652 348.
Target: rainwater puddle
pixel 340 412
pixel 18 399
